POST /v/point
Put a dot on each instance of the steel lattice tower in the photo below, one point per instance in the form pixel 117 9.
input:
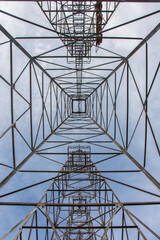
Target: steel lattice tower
pixel 80 110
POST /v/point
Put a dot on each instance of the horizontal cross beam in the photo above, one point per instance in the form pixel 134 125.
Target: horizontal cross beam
pixel 78 205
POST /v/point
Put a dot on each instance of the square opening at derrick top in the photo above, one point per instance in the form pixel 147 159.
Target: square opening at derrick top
pixel 78 106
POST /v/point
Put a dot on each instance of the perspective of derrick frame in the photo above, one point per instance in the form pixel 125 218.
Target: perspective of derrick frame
pixel 80 203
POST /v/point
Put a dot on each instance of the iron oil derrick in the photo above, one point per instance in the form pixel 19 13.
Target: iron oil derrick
pixel 82 124
pixel 79 205
pixel 78 24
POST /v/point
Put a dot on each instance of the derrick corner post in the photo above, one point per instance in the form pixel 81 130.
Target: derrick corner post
pixel 78 107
